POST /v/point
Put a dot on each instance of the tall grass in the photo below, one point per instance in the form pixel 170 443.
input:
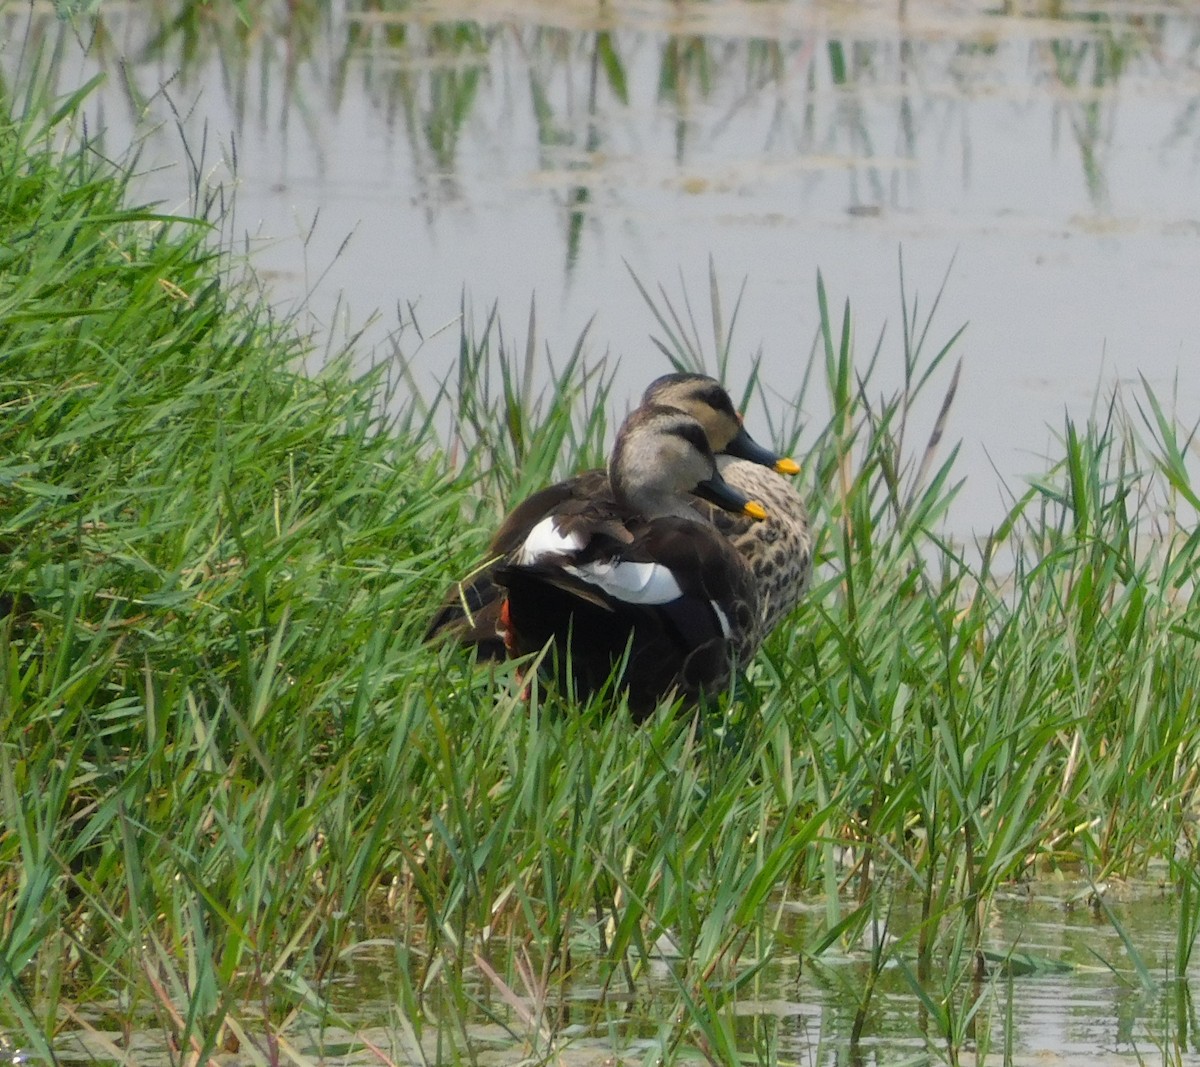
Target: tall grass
pixel 227 765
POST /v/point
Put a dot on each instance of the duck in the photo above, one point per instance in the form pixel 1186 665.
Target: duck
pixel 636 585
pixel 778 549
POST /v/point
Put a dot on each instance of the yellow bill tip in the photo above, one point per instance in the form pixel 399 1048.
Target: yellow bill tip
pixel 787 466
pixel 755 510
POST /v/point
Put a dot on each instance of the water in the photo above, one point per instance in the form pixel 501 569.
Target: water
pixel 1043 161
pixel 1072 995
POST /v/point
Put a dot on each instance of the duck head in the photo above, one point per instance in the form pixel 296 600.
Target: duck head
pixel 706 400
pixel 662 455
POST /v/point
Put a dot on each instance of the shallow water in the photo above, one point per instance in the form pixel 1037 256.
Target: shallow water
pixel 1042 158
pixel 1072 995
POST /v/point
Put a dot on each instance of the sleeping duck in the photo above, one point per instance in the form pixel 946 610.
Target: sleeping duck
pixel 636 577
pixel 778 550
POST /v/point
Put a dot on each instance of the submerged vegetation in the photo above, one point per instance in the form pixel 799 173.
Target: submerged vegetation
pixel 227 764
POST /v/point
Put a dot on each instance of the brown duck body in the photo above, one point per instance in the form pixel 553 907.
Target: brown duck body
pixel 635 585
pixel 687 644
pixel 778 551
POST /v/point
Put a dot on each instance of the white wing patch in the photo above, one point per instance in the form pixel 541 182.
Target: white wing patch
pixel 545 539
pixel 722 618
pixel 634 583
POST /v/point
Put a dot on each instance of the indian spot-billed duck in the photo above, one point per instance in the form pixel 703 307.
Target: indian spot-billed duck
pixel 778 550
pixel 637 578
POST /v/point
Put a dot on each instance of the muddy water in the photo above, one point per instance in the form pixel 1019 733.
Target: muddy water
pixel 400 163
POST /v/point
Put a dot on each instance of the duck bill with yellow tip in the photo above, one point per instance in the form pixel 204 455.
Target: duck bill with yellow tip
pixel 718 491
pixel 743 446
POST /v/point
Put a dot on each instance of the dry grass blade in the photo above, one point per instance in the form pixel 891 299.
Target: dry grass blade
pixel 534 1019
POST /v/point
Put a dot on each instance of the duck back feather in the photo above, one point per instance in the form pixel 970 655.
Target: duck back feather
pixel 669 608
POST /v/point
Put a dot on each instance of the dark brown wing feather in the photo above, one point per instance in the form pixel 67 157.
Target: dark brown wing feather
pixel 679 645
pixel 470 610
pixel 586 487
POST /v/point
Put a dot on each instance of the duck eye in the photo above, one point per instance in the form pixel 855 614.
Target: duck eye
pixel 717 399
pixel 694 436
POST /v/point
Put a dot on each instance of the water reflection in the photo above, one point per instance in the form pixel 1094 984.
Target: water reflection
pixel 1061 988
pixel 504 150
pixel 1070 995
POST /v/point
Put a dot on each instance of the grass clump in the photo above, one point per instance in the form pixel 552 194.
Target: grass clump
pixel 227 765
pixel 208 561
